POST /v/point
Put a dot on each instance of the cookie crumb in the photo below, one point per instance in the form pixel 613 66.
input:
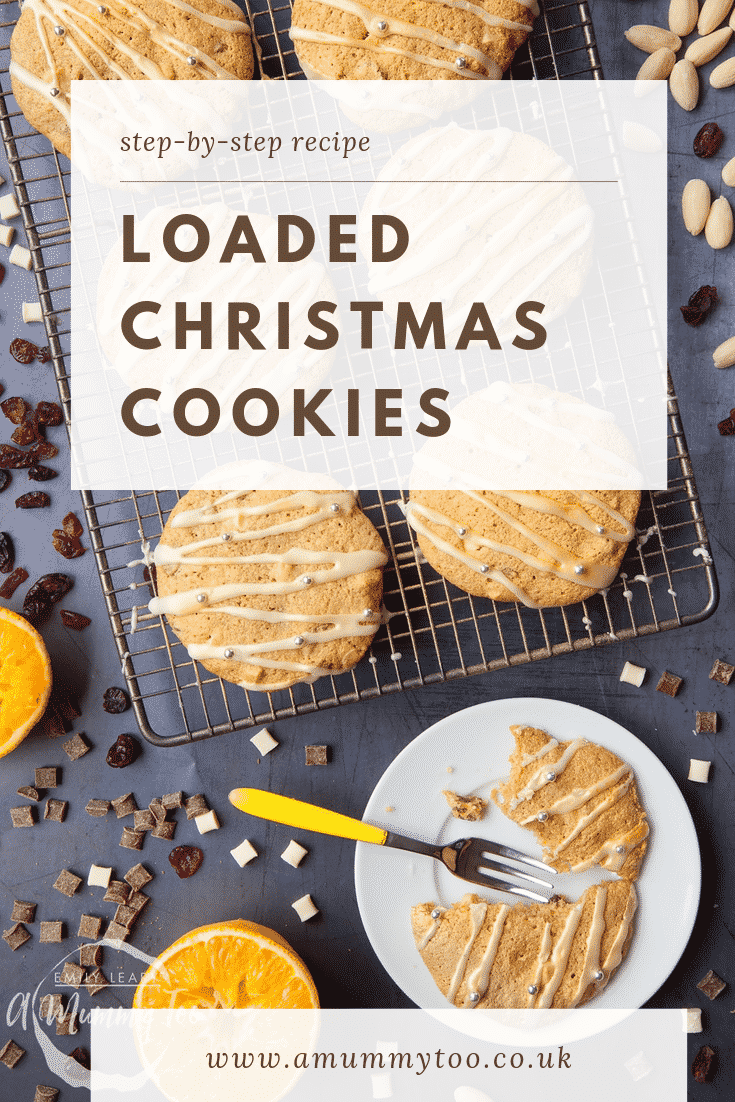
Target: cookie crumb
pixel 470 808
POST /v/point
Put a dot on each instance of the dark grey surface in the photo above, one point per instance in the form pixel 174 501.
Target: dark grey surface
pixel 365 738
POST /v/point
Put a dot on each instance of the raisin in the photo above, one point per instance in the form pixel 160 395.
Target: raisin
pixel 13 459
pixel 5 480
pixel 74 620
pixel 708 140
pixel 24 352
pixel 36 609
pixel 44 354
pixel 50 588
pixel 40 473
pixel 27 433
pixel 186 860
pixel 65 545
pixel 43 450
pixel 122 752
pixel 702 1064
pixel 11 583
pixel 15 409
pixel 35 500
pixel 49 413
pixel 7 553
pixel 82 1057
pixel 115 701
pixel 72 526
pixel 700 305
pixel 727 427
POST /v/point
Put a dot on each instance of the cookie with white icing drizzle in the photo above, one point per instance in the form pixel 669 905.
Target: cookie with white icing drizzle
pixel 541 547
pixel 269 576
pixel 579 799
pixel 409 39
pixel 58 41
pixel 530 956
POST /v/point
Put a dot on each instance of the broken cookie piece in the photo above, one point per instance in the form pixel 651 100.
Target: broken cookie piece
pixel 470 808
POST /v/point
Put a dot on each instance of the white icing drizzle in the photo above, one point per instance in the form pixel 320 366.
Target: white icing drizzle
pixel 304 35
pixel 479 979
pixel 477 912
pixel 326 566
pixel 591 816
pixel 607 855
pixel 79 21
pixel 543 955
pixel 432 929
pixel 615 952
pixel 560 958
pixel 592 950
pixel 545 749
pixel 540 777
pixel 580 796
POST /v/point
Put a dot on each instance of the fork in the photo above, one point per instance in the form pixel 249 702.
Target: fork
pixel 474 859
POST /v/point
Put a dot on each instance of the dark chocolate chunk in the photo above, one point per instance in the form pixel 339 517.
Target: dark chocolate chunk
pixel 55 810
pixel 67 883
pixel 712 985
pixel 669 683
pixel 45 1094
pixel 196 805
pixel 23 912
pixel 82 1057
pixel 23 816
pixel 11 1053
pixel 700 305
pixel 164 829
pixel 96 981
pixel 132 839
pixel 52 1007
pixel 97 808
pixel 76 747
pixel 172 801
pixel 722 672
pixel 90 956
pixel 117 931
pixel 117 892
pixel 186 860
pixel 47 776
pixel 138 877
pixel 125 805
pixel 317 755
pixel 143 820
pixel 90 926
pixel 72 973
pixel 16 936
pixel 702 1065
pixel 52 931
pixel 706 723
pixel 29 792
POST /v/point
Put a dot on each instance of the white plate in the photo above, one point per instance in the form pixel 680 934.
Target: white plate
pixel 475 744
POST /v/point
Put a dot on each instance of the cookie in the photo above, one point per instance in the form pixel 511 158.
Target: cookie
pixel 580 801
pixel 421 40
pixel 270 577
pixel 541 547
pixel 539 956
pixel 57 42
pixel 518 230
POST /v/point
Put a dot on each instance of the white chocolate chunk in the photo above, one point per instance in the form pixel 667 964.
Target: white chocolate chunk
pixel 206 822
pixel 6 234
pixel 264 741
pixel 21 257
pixel 699 770
pixel 638 1067
pixel 633 675
pixel 692 1020
pixel 294 854
pixel 32 312
pixel 381 1085
pixel 99 877
pixel 9 207
pixel 244 853
pixel 305 908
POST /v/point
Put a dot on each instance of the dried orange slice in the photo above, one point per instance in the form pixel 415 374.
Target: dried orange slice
pixel 236 964
pixel 25 679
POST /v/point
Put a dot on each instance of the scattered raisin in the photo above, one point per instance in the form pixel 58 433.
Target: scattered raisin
pixel 36 609
pixel 115 701
pixel 51 587
pixel 43 450
pixel 74 620
pixel 82 1057
pixel 27 433
pixel 15 409
pixel 708 140
pixel 702 1065
pixel 13 459
pixel 65 545
pixel 49 413
pixel 122 752
pixel 5 480
pixel 37 499
pixel 727 427
pixel 700 305
pixel 44 354
pixel 24 352
pixel 7 553
pixel 186 860
pixel 72 526
pixel 40 473
pixel 11 583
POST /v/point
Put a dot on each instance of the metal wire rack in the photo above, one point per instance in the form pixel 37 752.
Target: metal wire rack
pixel 435 632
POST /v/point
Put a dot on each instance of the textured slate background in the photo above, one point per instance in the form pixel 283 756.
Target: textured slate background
pixel 365 738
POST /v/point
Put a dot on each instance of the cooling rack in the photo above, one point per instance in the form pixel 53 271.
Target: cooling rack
pixel 434 632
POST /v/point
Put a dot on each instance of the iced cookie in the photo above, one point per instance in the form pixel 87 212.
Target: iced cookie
pixel 269 586
pixel 58 41
pixel 398 40
pixel 539 956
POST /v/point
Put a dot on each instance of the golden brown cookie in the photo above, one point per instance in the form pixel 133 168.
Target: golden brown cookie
pixel 579 799
pixel 409 39
pixel 529 956
pixel 57 41
pixel 268 586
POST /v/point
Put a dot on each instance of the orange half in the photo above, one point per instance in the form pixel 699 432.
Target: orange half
pixel 25 679
pixel 236 964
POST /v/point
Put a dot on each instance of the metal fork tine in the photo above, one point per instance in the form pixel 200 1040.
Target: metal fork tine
pixel 503 886
pixel 502 868
pixel 506 851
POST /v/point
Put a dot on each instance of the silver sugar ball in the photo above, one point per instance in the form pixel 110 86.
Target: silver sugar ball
pixel 299 640
pixel 366 612
pixel 474 996
pixel 551 776
pixel 461 62
pixel 59 30
pixel 226 536
pixel 229 653
pixel 435 913
pixel 484 569
pixel 382 25
pixel 334 508
pixel 532 989
pixel 620 849
pixel 201 598
pixel 599 975
pixel 305 579
pixel 579 569
pixel 191 61
pixel 542 816
pixel 461 531
pixel 101 9
pixel 599 529
pixel 54 91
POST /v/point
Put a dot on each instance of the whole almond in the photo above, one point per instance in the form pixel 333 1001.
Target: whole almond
pixel 658 65
pixel 650 39
pixel 695 206
pixel 684 84
pixel 712 14
pixel 718 230
pixel 704 49
pixel 724 356
pixel 683 16
pixel 728 173
pixel 724 75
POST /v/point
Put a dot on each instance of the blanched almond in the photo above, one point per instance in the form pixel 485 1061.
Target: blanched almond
pixel 704 49
pixel 718 230
pixel 728 173
pixel 695 206
pixel 724 75
pixel 683 15
pixel 712 14
pixel 684 84
pixel 650 39
pixel 724 356
pixel 658 65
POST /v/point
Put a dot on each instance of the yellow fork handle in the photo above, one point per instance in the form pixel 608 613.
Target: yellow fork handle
pixel 296 813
